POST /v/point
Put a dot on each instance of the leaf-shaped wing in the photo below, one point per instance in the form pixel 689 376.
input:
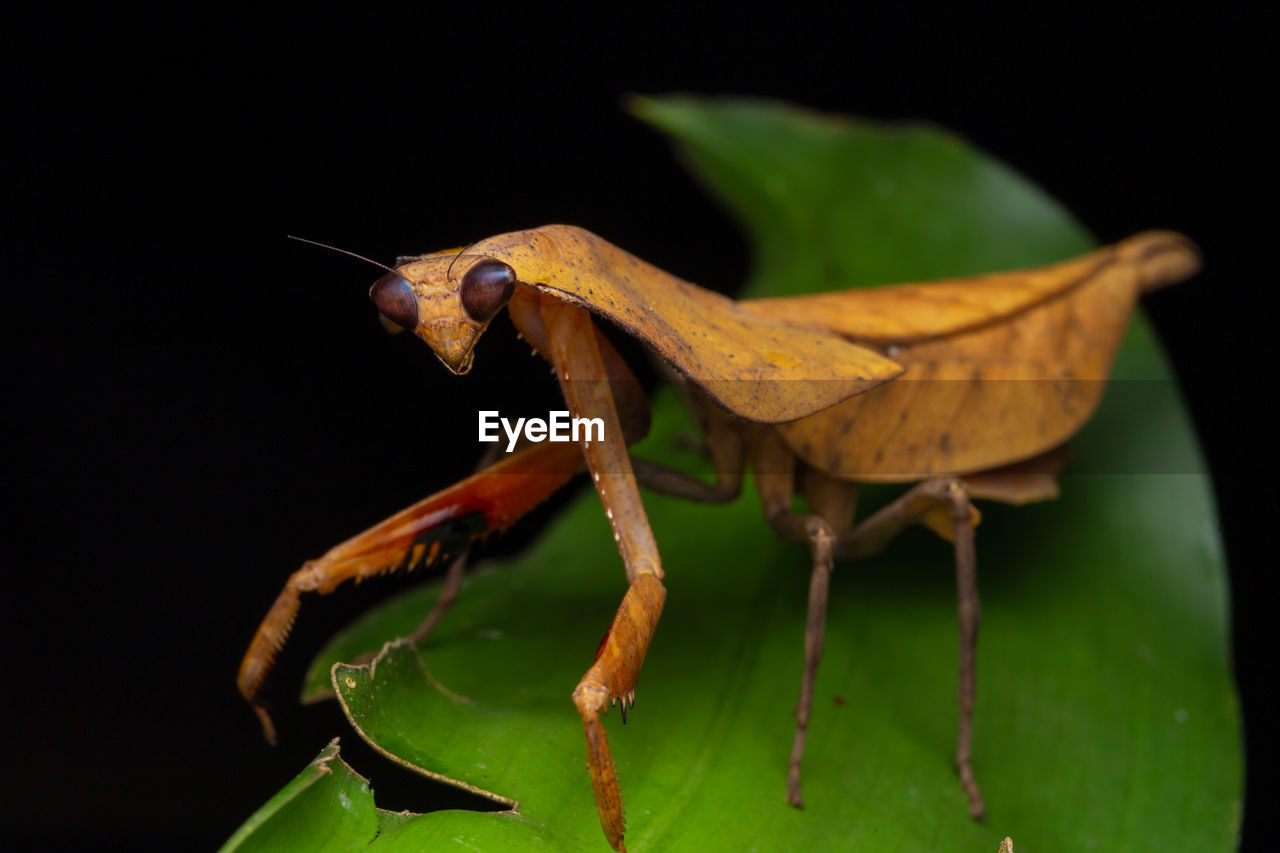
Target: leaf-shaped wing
pixel 757 367
pixel 909 313
pixel 983 388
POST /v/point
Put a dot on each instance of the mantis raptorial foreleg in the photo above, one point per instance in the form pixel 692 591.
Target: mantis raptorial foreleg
pixel 612 678
pixel 566 335
pixel 417 535
pixel 579 367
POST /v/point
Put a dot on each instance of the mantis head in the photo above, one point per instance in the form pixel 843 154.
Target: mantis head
pixel 446 300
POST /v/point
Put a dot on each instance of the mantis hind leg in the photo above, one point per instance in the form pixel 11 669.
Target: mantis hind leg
pixel 969 613
pixel 944 506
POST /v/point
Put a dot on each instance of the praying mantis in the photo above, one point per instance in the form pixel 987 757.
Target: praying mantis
pixel 966 388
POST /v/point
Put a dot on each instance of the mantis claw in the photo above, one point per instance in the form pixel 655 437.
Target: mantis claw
pixel 612 679
pixel 268 727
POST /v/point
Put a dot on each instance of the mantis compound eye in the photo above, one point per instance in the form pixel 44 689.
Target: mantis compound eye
pixel 486 288
pixel 395 300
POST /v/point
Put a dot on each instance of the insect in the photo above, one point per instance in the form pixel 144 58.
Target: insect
pixel 966 388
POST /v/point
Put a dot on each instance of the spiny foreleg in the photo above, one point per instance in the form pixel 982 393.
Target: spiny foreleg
pixel 441 524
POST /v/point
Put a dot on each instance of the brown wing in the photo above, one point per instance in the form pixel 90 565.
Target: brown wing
pixel 981 392
pixel 907 313
pixel 757 367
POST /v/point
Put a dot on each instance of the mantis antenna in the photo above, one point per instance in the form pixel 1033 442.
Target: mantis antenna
pixel 449 272
pixel 345 252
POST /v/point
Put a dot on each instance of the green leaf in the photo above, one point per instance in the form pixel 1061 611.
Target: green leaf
pixel 1106 716
pixel 832 202
pixel 327 806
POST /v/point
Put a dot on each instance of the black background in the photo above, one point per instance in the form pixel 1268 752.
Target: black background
pixel 199 404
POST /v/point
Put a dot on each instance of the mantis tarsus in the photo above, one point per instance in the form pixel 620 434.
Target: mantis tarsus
pixel 967 388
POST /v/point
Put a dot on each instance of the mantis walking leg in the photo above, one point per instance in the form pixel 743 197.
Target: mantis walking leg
pixel 448 595
pixel 677 484
pixel 969 612
pixel 821 539
pixel 728 456
pixel 944 506
pixel 453 575
pixel 832 502
pixel 724 443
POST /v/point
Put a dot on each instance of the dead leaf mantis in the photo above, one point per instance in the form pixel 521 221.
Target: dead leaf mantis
pixel 967 388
